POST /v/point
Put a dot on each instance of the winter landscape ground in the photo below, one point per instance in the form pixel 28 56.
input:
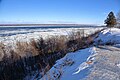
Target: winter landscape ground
pixel 29 51
pixel 100 62
pixel 59 39
pixel 97 61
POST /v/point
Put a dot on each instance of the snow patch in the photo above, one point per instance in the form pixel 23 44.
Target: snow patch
pixel 108 36
pixel 67 66
pixel 118 65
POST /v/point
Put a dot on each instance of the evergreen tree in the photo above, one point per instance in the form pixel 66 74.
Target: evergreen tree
pixel 111 20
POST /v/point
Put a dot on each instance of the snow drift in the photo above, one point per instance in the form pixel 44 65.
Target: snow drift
pixel 73 66
pixel 108 36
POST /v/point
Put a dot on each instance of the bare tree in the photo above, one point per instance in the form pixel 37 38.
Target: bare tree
pixel 118 19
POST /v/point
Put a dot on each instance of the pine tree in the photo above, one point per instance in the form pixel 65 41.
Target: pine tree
pixel 111 20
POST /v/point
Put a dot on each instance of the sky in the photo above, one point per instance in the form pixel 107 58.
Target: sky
pixel 57 11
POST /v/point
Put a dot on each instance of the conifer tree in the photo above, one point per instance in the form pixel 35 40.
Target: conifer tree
pixel 111 20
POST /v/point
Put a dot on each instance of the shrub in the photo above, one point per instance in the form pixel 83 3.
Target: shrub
pixel 36 55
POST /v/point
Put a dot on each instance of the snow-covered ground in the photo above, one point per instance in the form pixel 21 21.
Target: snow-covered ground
pixel 106 64
pixel 94 63
pixel 73 66
pixel 11 36
pixel 108 36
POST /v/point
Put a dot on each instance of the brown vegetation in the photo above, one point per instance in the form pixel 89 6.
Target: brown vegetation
pixel 37 55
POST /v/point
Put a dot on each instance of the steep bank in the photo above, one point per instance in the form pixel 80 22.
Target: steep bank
pixel 96 63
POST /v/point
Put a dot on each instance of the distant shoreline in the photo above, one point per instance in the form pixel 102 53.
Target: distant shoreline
pixel 45 25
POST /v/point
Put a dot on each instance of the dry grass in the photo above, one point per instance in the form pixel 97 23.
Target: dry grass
pixel 2 51
pixel 38 54
pixel 26 49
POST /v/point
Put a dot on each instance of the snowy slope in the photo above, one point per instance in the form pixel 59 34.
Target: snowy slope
pixel 90 63
pixel 106 64
pixel 108 36
pixel 73 66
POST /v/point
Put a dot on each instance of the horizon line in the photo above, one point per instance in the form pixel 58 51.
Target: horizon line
pixel 47 24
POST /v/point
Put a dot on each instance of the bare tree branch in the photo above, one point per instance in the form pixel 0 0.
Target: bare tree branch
pixel 118 17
